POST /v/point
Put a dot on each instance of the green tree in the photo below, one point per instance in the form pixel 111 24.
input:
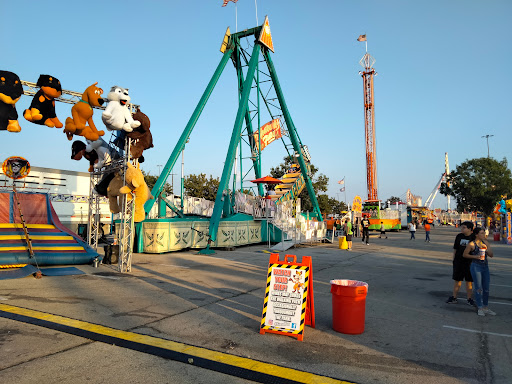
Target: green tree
pixel 320 183
pixel 329 205
pixel 478 184
pixel 151 181
pixel 394 199
pixel 201 186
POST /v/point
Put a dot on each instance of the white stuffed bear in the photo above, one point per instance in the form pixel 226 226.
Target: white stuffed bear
pixel 117 116
pixel 101 148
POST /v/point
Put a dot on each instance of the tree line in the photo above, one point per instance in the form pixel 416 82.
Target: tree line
pixel 476 185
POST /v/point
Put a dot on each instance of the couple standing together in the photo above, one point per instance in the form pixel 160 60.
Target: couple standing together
pixel 471 251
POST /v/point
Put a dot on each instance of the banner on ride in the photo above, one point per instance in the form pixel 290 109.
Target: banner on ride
pixel 269 132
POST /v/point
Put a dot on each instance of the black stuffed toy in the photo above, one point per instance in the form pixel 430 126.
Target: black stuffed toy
pixel 10 92
pixel 78 151
pixel 42 108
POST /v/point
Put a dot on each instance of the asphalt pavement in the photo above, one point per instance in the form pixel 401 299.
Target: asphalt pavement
pixel 187 318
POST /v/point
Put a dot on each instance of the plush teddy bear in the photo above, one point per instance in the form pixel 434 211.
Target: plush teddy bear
pixel 10 92
pixel 116 116
pixel 115 197
pixel 134 183
pixel 141 136
pixel 82 114
pixel 42 108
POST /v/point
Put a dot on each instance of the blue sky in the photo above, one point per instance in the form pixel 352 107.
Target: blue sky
pixel 443 80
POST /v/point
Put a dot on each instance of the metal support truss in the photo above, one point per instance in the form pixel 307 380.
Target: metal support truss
pixel 126 235
pixel 126 230
pixel 94 221
pixel 69 97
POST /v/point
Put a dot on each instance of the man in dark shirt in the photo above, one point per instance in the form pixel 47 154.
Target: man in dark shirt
pixel 461 266
pixel 366 227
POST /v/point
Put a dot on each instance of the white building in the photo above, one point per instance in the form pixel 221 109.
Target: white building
pixel 68 191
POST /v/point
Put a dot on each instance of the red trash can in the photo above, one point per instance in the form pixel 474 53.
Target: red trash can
pixel 496 236
pixel 348 306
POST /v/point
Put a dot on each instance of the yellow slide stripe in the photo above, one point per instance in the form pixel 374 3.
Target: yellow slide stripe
pixel 18 225
pixel 35 237
pixel 42 248
pixel 214 356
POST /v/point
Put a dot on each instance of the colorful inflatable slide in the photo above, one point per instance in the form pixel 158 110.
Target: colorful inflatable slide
pixel 52 242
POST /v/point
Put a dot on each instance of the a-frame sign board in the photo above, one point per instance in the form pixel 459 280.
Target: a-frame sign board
pixel 288 304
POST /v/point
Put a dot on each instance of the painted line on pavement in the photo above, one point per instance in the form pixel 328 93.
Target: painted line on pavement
pixel 499 302
pixel 201 357
pixel 104 277
pixel 500 285
pixel 475 331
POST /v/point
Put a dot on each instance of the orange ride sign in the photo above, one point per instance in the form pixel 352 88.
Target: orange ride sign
pixel 269 132
pixel 288 304
pixel 265 35
pixel 357 204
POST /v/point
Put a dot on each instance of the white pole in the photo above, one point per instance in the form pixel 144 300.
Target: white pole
pixel 345 190
pixel 366 44
pixel 256 6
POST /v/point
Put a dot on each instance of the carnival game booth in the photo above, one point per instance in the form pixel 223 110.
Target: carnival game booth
pixel 51 242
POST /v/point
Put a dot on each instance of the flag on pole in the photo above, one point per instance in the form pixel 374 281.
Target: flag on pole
pixel 342 189
pixel 360 38
pixel 342 181
pixel 227 1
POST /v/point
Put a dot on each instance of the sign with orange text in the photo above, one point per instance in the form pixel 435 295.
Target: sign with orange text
pixel 286 308
pixel 269 132
pixel 357 204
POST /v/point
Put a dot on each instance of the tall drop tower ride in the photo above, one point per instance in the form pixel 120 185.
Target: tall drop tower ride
pixel 367 63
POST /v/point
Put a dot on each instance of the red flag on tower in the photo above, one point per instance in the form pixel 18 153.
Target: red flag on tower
pixel 227 1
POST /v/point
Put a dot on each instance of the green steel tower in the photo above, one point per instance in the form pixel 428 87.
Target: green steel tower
pixel 252 78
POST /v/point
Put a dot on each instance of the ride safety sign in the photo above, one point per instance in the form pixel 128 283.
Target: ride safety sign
pixel 288 304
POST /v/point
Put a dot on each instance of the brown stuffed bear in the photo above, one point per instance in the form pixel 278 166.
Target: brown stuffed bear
pixel 115 197
pixel 82 114
pixel 134 183
pixel 141 136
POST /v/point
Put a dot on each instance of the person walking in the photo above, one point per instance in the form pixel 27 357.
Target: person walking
pixel 365 223
pixel 354 228
pixel 461 265
pixel 412 229
pixel 382 230
pixel 348 232
pixel 427 232
pixel 478 251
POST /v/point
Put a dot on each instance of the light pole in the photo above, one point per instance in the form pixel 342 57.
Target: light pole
pixel 159 169
pixel 487 137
